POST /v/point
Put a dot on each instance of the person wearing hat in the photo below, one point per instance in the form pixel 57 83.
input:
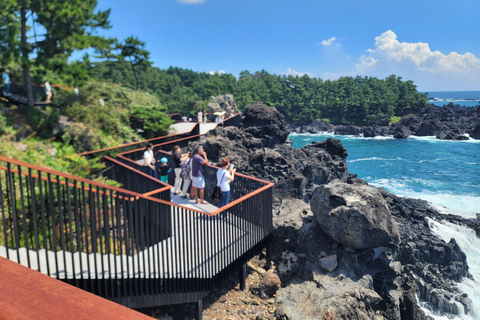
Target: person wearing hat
pixel 164 170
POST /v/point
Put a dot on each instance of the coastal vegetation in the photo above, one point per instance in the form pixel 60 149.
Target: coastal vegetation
pixel 123 98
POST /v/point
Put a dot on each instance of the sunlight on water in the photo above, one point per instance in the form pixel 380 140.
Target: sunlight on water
pixel 444 173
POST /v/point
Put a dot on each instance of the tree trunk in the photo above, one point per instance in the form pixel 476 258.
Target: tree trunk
pixel 25 58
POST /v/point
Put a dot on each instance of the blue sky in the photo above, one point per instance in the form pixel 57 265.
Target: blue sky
pixel 434 43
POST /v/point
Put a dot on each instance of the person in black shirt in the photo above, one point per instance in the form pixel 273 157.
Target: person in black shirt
pixel 164 170
pixel 177 159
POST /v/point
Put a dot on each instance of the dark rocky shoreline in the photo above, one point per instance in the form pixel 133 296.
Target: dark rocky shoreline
pixel 450 122
pixel 323 278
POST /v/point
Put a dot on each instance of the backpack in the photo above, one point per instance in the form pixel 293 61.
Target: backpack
pixel 185 165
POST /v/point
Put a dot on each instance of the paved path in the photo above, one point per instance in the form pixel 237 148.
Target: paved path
pixel 183 127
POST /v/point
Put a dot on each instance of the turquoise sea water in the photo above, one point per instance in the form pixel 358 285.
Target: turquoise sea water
pixel 457 97
pixel 445 173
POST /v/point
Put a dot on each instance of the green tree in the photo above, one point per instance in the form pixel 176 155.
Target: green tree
pixel 134 50
pixel 68 26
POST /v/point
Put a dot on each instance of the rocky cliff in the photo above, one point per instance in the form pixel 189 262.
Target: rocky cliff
pixel 342 249
pixel 447 123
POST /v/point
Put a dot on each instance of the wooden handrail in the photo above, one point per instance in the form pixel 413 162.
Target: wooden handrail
pixel 157 145
pixel 165 188
pixel 29 294
pixel 69 176
pixel 70 184
pixel 125 145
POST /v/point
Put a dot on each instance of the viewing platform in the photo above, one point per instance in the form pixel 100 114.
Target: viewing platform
pixel 138 244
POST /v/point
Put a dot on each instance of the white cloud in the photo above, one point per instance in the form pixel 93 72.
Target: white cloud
pixel 191 1
pixel 418 61
pixel 216 72
pixel 328 42
pixel 291 72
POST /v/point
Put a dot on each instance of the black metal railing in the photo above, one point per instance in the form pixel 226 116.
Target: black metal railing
pixel 133 248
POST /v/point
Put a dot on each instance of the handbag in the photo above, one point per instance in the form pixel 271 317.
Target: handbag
pixel 217 192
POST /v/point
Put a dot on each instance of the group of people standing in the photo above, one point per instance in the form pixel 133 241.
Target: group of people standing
pixel 189 170
pixel 7 83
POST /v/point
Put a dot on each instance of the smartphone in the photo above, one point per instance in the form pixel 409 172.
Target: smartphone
pixel 232 166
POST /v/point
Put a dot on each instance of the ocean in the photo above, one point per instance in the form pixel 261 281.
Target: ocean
pixel 463 98
pixel 445 173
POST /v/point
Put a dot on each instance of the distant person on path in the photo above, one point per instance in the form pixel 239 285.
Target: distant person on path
pixel 76 92
pixel 178 157
pixel 185 173
pixel 225 175
pixel 149 161
pixel 205 119
pixel 200 116
pixel 6 82
pixel 164 170
pixel 198 181
pixel 48 91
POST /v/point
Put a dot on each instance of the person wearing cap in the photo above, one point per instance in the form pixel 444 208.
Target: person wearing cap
pixel 164 170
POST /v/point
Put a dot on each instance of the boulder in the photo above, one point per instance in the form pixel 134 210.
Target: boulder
pixel 265 123
pixel 347 130
pixel 266 286
pixel 328 263
pixel 356 216
pixel 475 133
pixel 339 297
pixel 223 103
pixel 402 132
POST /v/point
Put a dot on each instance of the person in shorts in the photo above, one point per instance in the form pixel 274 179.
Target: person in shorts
pixel 198 181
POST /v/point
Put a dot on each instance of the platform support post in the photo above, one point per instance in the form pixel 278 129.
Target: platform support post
pixel 198 310
pixel 243 276
pixel 268 257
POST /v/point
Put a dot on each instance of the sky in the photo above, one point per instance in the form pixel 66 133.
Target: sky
pixel 435 43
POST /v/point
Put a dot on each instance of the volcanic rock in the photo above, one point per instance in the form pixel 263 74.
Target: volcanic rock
pixel 355 216
pixel 260 147
pixel 223 103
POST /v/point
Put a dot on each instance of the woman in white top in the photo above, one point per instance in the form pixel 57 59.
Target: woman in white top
pixel 224 177
pixel 149 161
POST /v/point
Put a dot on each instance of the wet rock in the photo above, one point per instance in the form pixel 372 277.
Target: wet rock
pixel 475 133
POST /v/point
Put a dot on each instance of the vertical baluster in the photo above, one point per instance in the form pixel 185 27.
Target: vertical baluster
pixel 24 213
pixel 79 227
pixel 13 211
pixel 131 235
pixel 71 233
pixel 4 218
pixel 108 253
pixel 99 220
pixel 52 219
pixel 43 215
pixel 61 213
